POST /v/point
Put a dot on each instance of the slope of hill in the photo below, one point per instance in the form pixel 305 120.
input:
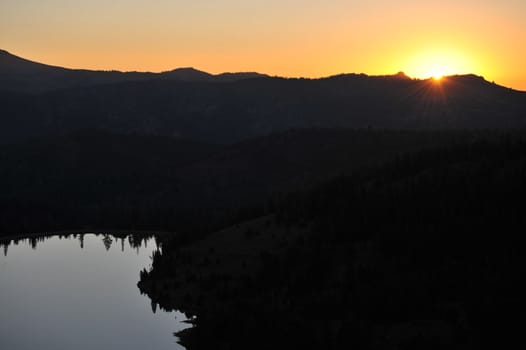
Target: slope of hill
pixel 231 107
pixel 130 181
pixel 20 75
pixel 229 112
pixel 424 253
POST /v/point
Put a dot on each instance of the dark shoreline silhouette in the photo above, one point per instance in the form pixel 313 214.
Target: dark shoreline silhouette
pixel 66 233
pixel 134 238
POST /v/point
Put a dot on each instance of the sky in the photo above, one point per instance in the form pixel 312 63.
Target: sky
pixel 307 38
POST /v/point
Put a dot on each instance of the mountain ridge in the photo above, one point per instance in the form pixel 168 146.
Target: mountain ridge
pixel 17 72
pixel 230 107
pixel 23 75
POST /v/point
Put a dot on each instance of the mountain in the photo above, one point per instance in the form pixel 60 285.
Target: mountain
pixel 22 75
pixel 187 74
pixel 231 111
pixel 228 77
pixel 231 107
pixel 192 74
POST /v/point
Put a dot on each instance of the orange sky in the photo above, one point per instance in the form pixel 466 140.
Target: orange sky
pixel 308 38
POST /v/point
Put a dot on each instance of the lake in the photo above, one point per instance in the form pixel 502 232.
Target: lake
pixel 80 292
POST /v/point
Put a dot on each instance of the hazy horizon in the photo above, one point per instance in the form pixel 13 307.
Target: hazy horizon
pixel 258 72
pixel 286 38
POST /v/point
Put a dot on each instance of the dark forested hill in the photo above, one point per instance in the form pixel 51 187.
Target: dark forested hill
pixel 98 179
pixel 426 252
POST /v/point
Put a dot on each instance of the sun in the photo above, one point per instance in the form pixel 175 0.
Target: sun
pixel 436 70
pixel 437 64
pixel 436 74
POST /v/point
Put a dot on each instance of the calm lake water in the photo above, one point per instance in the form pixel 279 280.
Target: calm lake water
pixel 57 295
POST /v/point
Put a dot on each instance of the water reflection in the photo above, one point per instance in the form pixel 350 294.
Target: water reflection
pixel 83 298
pixel 107 242
pixel 135 241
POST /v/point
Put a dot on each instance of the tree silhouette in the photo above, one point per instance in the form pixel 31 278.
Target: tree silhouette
pixel 81 240
pixel 107 241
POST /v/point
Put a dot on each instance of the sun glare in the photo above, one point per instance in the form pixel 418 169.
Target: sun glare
pixel 436 64
pixel 436 74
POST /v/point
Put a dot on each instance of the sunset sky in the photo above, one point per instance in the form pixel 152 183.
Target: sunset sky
pixel 309 38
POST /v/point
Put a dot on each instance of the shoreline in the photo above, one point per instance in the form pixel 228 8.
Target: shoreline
pixel 22 236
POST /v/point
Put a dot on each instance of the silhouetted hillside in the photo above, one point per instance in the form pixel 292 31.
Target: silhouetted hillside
pixel 192 74
pixel 244 173
pixel 232 111
pixel 130 181
pixel 188 74
pixel 426 252
pixel 21 75
pixel 229 107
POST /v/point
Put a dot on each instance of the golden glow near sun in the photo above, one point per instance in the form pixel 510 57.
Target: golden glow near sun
pixel 437 73
pixel 423 39
pixel 439 63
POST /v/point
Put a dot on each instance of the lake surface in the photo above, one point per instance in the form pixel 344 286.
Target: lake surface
pixel 56 295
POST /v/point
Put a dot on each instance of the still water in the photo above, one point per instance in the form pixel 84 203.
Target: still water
pixel 81 293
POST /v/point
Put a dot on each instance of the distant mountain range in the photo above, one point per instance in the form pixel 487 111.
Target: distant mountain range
pixel 22 75
pixel 39 100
